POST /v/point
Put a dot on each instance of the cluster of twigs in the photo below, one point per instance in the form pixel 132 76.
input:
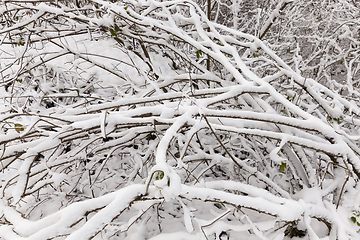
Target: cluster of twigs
pixel 89 137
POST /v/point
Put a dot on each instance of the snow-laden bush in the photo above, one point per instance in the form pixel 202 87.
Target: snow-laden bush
pixel 115 126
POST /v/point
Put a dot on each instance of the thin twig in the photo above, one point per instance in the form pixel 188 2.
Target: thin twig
pixel 222 145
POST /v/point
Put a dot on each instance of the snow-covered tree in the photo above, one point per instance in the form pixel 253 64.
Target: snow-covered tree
pixel 146 120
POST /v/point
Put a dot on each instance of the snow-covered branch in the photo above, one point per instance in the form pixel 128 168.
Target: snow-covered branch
pixel 113 120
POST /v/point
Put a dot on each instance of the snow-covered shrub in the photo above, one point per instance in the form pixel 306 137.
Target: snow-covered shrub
pixel 114 127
